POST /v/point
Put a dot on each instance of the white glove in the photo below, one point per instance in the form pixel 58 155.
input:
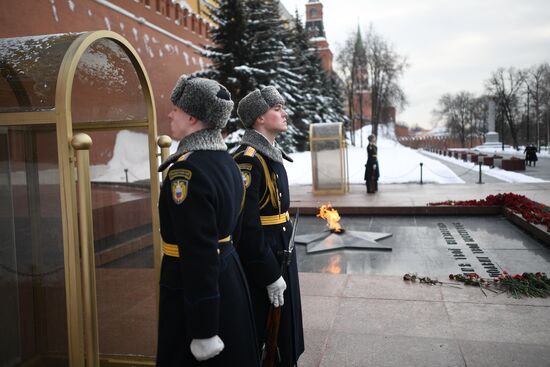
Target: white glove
pixel 275 292
pixel 204 349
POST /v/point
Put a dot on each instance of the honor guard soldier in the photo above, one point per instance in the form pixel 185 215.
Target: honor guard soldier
pixel 205 315
pixel 266 229
pixel 372 171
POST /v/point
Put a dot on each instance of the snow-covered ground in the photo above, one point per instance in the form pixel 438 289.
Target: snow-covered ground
pixel 398 164
pixel 501 174
pixel 131 152
pixel 518 153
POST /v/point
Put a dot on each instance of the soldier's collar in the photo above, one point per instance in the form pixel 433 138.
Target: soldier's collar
pixel 261 144
pixel 205 139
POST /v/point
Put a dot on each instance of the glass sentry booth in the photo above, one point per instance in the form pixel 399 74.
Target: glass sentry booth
pixel 329 161
pixel 79 242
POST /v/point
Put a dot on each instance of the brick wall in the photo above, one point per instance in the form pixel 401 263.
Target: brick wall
pixel 166 40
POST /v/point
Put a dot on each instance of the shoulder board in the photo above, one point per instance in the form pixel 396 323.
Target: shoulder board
pixel 250 152
pixel 184 156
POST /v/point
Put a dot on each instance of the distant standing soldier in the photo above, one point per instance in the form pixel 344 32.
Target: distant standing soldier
pixel 372 171
pixel 531 154
pixel 266 229
pixel 205 315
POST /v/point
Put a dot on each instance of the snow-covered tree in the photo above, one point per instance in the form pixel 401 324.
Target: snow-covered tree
pixel 254 48
pixel 322 94
pixel 335 89
pixel 271 61
pixel 229 60
pixel 305 110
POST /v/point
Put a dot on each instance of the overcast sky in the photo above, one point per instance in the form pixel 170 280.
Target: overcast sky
pixel 451 45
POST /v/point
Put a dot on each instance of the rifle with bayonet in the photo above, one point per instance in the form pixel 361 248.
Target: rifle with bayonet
pixel 270 350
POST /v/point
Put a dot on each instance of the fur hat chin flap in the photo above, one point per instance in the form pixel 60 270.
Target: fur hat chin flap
pixel 256 103
pixel 204 99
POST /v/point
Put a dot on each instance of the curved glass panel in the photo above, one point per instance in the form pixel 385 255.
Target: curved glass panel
pixel 33 311
pixel 28 71
pixel 327 130
pixel 123 242
pixel 106 86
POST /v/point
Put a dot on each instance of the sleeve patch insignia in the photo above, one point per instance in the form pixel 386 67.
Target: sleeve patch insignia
pixel 245 173
pixel 245 166
pixel 179 172
pixel 179 190
pixel 246 178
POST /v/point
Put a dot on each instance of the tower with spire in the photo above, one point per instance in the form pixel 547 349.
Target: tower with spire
pixel 316 29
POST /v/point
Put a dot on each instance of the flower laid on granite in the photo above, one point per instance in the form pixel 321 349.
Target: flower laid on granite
pixel 526 284
pixel 530 210
pixel 474 280
pixel 517 286
pixel 413 278
pixel 426 280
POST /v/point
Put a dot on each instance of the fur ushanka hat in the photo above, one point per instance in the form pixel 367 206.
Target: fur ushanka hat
pixel 204 99
pixel 256 103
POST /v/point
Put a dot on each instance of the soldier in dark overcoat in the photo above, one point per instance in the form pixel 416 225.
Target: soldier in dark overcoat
pixel 372 171
pixel 205 314
pixel 531 154
pixel 266 230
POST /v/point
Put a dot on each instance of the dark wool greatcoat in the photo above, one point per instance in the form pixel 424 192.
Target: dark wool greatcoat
pixel 531 153
pixel 202 292
pixel 372 170
pixel 260 249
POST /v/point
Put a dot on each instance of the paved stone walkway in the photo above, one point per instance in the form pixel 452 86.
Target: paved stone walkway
pixel 382 321
pixel 469 175
pixel 414 195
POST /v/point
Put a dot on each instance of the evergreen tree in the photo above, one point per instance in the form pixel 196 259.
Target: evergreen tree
pixel 335 88
pixel 264 38
pixel 308 64
pixel 253 48
pixel 271 61
pixel 229 58
pixel 321 94
pixel 304 111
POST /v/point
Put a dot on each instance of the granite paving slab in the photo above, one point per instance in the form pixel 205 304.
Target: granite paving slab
pixel 384 321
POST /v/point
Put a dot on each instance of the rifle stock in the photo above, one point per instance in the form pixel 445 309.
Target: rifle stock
pixel 270 350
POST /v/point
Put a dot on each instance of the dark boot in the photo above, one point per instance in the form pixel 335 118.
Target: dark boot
pixel 370 186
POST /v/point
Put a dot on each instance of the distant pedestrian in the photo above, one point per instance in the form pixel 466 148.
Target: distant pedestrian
pixel 531 155
pixel 372 171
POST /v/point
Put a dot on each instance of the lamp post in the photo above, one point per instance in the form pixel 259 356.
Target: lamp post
pixel 502 134
pixel 527 120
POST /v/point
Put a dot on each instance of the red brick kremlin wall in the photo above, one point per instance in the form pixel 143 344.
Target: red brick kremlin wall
pixel 167 52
